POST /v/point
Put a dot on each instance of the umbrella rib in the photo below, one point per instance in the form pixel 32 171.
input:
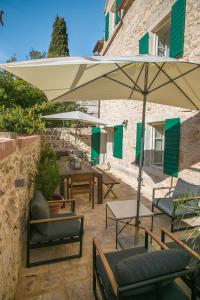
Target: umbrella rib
pixel 156 76
pixel 177 86
pixel 84 84
pixel 119 82
pixel 175 78
pixel 137 81
pixel 125 73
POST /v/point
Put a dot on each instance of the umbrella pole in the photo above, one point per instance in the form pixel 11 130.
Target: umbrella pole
pixel 140 179
pixel 76 134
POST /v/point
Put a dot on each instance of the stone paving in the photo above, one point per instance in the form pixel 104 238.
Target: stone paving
pixel 72 279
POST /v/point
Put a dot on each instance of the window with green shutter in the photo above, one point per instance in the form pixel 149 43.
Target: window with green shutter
pixel 107 26
pixel 177 28
pixel 138 142
pixel 171 148
pixel 95 145
pixel 144 44
pixel 117 4
pixel 118 141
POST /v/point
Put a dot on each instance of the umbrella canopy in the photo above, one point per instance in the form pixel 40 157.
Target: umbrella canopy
pixel 170 82
pixel 146 78
pixel 75 116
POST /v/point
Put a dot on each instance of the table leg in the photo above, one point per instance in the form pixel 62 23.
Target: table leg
pixel 67 188
pixel 116 234
pixel 109 190
pixel 106 216
pixel 100 189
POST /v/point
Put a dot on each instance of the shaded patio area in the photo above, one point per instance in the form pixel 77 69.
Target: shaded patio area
pixel 72 279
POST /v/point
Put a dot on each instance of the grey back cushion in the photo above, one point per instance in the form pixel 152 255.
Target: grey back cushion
pixel 150 265
pixel 185 188
pixel 40 210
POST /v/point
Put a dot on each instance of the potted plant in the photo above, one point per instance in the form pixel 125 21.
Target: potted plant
pixel 46 178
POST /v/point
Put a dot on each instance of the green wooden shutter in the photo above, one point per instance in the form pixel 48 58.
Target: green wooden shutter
pixel 117 3
pixel 177 28
pixel 118 141
pixel 172 145
pixel 107 26
pixel 138 142
pixel 144 44
pixel 95 145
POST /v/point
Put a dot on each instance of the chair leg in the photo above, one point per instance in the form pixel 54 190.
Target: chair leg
pixel 81 247
pixel 90 195
pixel 28 246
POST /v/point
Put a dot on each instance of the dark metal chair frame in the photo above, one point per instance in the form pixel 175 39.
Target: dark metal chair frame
pixel 165 233
pixel 68 240
pixel 174 217
pixel 119 291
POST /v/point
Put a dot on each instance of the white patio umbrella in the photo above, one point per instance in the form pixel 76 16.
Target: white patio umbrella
pixel 146 78
pixel 77 116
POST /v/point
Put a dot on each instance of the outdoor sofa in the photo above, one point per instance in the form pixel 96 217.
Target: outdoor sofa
pixel 141 274
pixel 179 203
pixel 45 230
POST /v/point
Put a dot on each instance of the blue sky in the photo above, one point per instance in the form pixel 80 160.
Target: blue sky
pixel 28 24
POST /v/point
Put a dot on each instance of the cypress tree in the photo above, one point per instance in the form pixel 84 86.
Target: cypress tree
pixel 59 39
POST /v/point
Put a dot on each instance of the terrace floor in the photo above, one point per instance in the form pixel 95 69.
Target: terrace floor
pixel 72 279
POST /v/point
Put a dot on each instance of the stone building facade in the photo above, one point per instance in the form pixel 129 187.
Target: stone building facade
pixel 62 139
pixel 135 19
pixel 17 162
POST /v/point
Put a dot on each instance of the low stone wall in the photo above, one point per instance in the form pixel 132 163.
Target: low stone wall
pixel 17 161
pixel 62 139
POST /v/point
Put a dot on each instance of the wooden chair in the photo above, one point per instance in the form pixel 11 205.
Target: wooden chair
pixel 82 184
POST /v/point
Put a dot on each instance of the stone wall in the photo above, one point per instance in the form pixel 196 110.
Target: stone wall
pixel 141 17
pixel 17 161
pixel 62 139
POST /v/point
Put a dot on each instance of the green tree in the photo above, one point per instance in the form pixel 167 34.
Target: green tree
pixel 35 54
pixel 59 39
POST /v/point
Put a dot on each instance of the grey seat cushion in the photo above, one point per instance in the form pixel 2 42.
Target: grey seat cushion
pixel 58 230
pixel 40 210
pixel 183 189
pixel 166 205
pixel 150 265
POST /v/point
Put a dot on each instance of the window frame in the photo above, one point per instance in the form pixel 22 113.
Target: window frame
pixel 153 140
pixel 159 27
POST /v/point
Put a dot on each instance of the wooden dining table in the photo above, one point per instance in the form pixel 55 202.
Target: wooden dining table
pixel 66 170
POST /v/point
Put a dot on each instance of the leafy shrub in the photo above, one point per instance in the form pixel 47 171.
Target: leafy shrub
pixel 47 177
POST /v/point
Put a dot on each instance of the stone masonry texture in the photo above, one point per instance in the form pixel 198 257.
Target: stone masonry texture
pixel 17 161
pixel 143 16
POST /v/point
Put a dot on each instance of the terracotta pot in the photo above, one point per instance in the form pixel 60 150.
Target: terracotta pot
pixel 55 207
